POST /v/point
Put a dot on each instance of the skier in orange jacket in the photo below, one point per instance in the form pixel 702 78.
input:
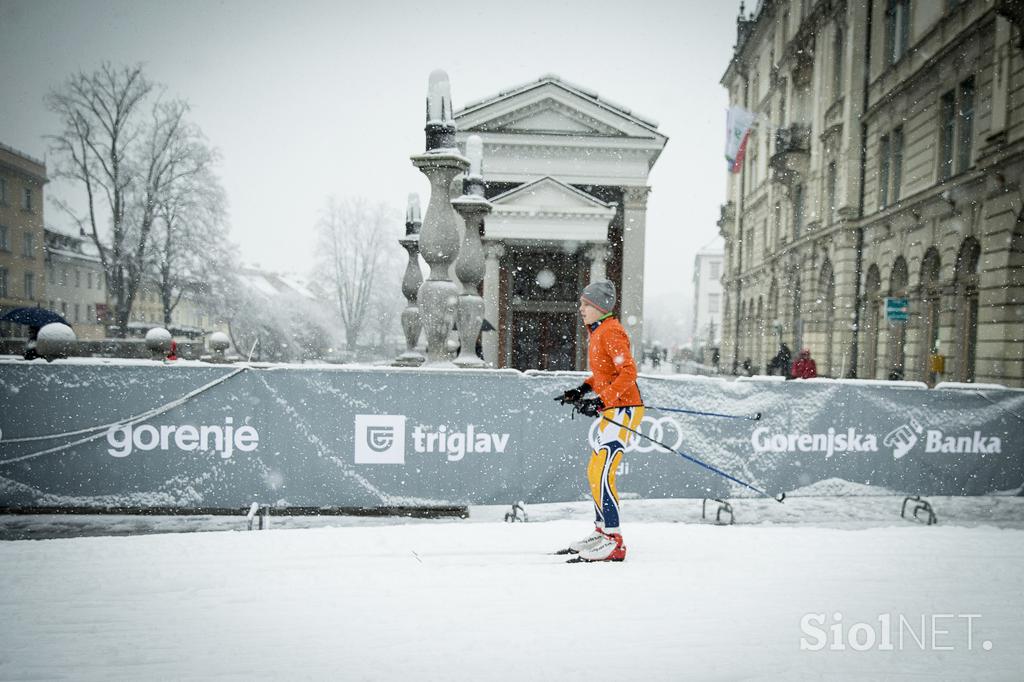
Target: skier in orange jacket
pixel 613 380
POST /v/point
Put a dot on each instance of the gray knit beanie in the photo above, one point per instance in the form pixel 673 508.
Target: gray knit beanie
pixel 600 294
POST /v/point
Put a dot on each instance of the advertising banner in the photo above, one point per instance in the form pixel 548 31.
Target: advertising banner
pixel 143 434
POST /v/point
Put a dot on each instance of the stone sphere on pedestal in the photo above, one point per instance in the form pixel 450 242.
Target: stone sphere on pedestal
pixel 55 340
pixel 158 340
pixel 219 342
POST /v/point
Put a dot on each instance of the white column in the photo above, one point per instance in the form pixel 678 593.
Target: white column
pixel 597 253
pixel 633 238
pixel 492 270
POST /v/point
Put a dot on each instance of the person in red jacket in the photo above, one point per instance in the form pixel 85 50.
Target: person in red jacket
pixel 804 367
pixel 613 380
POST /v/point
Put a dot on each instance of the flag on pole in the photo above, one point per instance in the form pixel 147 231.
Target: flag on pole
pixel 738 124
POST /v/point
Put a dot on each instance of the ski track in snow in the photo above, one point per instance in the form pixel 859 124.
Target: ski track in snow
pixel 373 599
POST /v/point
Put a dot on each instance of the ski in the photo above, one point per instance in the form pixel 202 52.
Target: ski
pixel 565 551
pixel 581 560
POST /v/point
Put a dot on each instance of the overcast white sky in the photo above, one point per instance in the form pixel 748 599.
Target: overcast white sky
pixel 314 98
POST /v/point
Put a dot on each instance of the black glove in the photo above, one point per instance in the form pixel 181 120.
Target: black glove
pixel 574 395
pixel 591 407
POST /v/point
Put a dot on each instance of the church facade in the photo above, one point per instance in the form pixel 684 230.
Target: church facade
pixel 566 171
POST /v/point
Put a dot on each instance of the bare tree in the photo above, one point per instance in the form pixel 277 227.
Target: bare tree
pixel 190 247
pixel 128 147
pixel 357 240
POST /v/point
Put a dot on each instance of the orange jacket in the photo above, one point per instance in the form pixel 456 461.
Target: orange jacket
pixel 613 372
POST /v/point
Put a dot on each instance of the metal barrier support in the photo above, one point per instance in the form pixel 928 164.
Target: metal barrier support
pixel 919 505
pixel 513 516
pixel 723 506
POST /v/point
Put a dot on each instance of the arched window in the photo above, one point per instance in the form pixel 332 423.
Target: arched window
pixel 869 321
pixel 897 337
pixel 966 278
pixel 827 312
pixel 931 299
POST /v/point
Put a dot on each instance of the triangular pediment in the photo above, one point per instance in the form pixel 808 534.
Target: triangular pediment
pixel 555 107
pixel 549 195
pixel 547 116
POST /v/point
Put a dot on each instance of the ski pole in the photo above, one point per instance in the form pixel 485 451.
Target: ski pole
pixel 750 417
pixel 778 498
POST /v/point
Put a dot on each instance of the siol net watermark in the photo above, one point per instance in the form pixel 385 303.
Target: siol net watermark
pixel 892 632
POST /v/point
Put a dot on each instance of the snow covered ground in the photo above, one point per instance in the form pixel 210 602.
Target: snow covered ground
pixel 342 598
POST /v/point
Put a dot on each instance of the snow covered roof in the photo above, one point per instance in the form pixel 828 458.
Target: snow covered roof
pixel 272 284
pixel 578 90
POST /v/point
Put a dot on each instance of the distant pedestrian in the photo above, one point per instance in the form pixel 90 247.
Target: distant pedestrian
pixel 805 367
pixel 780 364
pixel 748 369
pixel 30 346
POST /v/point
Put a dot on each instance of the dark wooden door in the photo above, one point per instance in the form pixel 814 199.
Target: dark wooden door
pixel 544 340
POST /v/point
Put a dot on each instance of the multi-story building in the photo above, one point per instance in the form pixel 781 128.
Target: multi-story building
pixel 707 300
pixel 566 170
pixel 886 165
pixel 190 317
pixel 75 283
pixel 22 281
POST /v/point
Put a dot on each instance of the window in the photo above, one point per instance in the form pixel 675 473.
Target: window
pixel 798 211
pixel 30 285
pixel 883 172
pixel 777 222
pixel 5 241
pixel 3 283
pixel 897 29
pixel 897 162
pixel 956 129
pixel 947 131
pixel 77 309
pixel 88 280
pixel 833 210
pixel 965 119
pixel 78 278
pixel 26 199
pixel 890 167
pixel 837 64
pixel 753 144
pixel 3 191
pixel 28 245
pixel 715 268
pixel 714 303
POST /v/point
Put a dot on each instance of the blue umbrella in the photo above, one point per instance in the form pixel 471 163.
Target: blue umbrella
pixel 33 317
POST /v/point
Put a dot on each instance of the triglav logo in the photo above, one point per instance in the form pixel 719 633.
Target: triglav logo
pixel 207 438
pixel 380 439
